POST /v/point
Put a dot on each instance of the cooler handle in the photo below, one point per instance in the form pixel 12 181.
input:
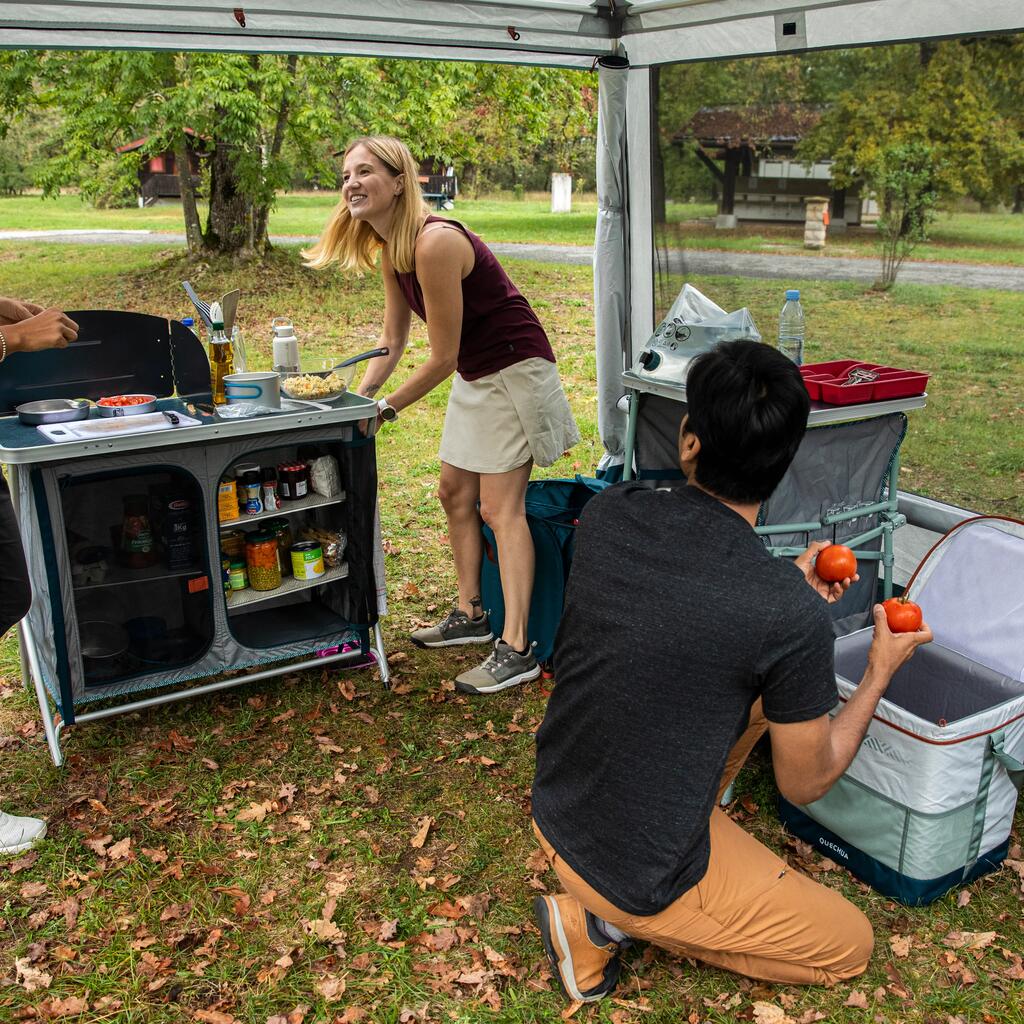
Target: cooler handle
pixel 1014 768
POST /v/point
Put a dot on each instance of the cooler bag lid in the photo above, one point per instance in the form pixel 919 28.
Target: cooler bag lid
pixel 970 587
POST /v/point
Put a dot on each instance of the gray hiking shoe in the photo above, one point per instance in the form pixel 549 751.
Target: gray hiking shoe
pixel 455 628
pixel 504 667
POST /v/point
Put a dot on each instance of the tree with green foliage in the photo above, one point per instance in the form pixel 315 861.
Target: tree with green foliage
pixel 263 116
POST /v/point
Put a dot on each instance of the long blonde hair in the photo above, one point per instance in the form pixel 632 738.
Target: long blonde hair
pixel 354 244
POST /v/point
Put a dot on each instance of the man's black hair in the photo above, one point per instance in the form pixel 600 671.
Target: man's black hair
pixel 748 406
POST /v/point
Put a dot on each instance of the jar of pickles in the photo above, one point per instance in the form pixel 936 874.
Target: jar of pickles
pixel 232 543
pixel 282 530
pixel 263 561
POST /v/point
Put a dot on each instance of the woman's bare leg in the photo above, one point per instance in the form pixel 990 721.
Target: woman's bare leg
pixel 459 491
pixel 503 508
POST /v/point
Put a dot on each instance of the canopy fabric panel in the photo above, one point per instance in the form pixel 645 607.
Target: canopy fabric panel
pixel 568 33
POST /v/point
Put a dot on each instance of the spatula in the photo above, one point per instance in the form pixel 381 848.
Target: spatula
pixel 229 304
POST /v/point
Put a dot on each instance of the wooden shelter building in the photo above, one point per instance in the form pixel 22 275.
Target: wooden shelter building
pixel 751 151
pixel 158 174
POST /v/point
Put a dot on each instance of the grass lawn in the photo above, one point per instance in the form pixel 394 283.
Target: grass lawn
pixel 956 237
pixel 249 855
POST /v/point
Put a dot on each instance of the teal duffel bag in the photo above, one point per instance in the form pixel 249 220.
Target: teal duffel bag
pixel 553 509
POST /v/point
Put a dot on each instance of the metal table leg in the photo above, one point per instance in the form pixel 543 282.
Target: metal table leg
pixel 634 414
pixel 382 658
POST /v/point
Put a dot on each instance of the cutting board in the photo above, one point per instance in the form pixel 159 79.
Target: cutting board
pixel 113 426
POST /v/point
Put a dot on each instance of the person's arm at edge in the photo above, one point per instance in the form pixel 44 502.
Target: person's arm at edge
pixel 808 757
pixel 441 258
pixel 48 329
pixel 395 336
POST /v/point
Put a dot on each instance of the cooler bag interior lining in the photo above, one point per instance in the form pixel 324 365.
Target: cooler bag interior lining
pixel 971 601
pixel 937 685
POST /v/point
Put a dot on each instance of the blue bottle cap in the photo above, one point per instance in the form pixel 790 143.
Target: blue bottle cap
pixel 188 321
pixel 793 293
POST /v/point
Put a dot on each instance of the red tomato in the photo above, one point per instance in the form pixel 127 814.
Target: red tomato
pixel 902 615
pixel 836 563
pixel 120 400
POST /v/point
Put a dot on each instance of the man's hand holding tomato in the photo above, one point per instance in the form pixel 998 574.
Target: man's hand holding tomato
pixel 890 651
pixel 830 591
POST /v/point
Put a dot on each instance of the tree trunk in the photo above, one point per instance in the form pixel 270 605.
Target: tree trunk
pixel 193 229
pixel 262 213
pixel 1018 199
pixel 229 227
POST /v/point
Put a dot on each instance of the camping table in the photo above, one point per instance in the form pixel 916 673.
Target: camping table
pixel 42 475
pixel 821 415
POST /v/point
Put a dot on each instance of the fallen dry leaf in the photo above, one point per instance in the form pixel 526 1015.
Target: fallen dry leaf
pixel 326 931
pixel 256 811
pixel 423 828
pixel 331 987
pixel 69 1006
pixel 30 890
pixel 900 945
pixel 388 930
pixel 120 850
pixel 857 999
pixel 29 977
pixel 769 1013
pixel 963 898
pixel 98 844
pixel 969 940
pixel 213 1017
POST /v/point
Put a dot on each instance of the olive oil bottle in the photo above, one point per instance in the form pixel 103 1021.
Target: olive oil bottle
pixel 221 357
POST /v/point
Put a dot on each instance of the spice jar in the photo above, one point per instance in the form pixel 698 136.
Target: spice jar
pixel 282 530
pixel 137 544
pixel 262 560
pixel 271 500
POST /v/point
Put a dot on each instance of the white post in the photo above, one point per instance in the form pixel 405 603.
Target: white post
pixel 561 193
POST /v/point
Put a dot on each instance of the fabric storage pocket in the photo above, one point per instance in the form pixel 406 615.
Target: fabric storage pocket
pixel 936 844
pixel 875 825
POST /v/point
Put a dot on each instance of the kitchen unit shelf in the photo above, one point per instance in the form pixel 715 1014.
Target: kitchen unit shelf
pixel 120 577
pixel 287 508
pixel 244 598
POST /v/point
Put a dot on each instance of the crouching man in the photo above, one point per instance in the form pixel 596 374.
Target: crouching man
pixel 682 640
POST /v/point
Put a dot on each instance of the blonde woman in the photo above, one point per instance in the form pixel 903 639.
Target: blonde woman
pixel 507 409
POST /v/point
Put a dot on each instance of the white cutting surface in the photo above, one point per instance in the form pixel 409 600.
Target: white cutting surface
pixel 114 426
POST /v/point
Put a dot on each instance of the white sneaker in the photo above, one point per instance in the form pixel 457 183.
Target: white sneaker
pixel 19 834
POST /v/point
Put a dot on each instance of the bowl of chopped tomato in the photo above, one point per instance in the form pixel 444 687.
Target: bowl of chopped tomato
pixel 126 405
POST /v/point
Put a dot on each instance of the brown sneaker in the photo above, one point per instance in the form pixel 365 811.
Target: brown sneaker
pixel 585 962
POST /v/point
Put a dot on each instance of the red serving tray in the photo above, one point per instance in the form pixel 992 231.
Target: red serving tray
pixel 825 382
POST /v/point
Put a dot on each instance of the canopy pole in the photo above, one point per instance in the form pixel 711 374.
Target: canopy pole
pixel 611 255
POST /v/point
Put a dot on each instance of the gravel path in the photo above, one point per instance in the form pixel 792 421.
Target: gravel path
pixel 736 264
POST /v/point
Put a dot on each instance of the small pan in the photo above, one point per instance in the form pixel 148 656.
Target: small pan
pixel 53 410
pixel 345 365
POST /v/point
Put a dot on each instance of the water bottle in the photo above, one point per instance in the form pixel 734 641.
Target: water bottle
pixel 791 327
pixel 286 346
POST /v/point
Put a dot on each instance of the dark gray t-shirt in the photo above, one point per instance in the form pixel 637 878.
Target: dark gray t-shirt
pixel 676 620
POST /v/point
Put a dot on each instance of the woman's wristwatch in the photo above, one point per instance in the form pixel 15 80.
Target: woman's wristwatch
pixel 385 411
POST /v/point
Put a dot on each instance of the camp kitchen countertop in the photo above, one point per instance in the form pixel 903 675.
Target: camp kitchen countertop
pixel 25 445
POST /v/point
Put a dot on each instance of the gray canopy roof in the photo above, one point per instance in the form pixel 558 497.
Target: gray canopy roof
pixel 569 33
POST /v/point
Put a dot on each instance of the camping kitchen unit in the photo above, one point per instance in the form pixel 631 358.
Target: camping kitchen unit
pixel 142 578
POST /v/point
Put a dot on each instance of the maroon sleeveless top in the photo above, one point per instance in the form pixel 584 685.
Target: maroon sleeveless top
pixel 499 327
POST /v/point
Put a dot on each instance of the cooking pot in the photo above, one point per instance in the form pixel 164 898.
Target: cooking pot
pixel 102 644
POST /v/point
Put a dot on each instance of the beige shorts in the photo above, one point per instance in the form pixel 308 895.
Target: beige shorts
pixel 499 422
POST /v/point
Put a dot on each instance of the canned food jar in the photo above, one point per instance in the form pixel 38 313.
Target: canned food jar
pixel 239 577
pixel 293 481
pixel 232 543
pixel 307 560
pixel 225 567
pixel 282 530
pixel 261 558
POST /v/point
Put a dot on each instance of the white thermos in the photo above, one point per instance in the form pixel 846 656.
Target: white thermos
pixel 286 346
